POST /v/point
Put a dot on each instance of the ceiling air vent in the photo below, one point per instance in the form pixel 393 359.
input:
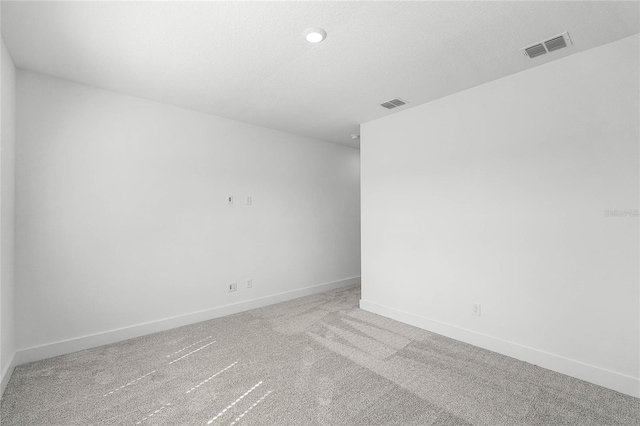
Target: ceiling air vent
pixel 393 103
pixel 554 43
pixel 535 50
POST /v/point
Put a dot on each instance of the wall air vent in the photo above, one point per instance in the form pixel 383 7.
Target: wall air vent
pixel 393 103
pixel 550 45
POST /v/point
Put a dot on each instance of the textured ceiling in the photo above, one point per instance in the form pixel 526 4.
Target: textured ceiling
pixel 248 61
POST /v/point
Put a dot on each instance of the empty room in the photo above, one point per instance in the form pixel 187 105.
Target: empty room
pixel 320 213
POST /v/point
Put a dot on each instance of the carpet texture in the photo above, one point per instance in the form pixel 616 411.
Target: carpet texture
pixel 317 360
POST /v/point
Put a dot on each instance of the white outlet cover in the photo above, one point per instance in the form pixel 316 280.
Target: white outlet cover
pixel 249 283
pixel 248 200
pixel 230 199
pixel 476 309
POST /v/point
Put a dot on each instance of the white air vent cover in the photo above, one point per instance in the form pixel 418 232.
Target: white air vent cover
pixel 555 43
pixel 535 50
pixel 550 45
pixel 393 103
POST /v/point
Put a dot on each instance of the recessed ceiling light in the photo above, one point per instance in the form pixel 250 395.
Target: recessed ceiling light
pixel 314 34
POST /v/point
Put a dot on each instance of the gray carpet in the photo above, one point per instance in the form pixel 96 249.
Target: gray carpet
pixel 318 360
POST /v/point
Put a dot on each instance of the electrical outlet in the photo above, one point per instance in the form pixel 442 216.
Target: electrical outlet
pixel 249 283
pixel 475 310
pixel 247 200
pixel 230 199
pixel 233 286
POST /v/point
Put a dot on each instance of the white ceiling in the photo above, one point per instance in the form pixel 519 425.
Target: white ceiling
pixel 248 60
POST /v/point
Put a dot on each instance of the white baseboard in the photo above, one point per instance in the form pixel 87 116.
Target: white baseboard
pixel 5 375
pixel 91 341
pixel 590 373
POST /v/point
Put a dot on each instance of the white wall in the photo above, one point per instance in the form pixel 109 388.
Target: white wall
pixel 122 217
pixel 497 195
pixel 7 198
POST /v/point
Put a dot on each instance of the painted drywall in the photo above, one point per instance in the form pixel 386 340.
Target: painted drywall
pixel 7 204
pixel 502 195
pixel 122 216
